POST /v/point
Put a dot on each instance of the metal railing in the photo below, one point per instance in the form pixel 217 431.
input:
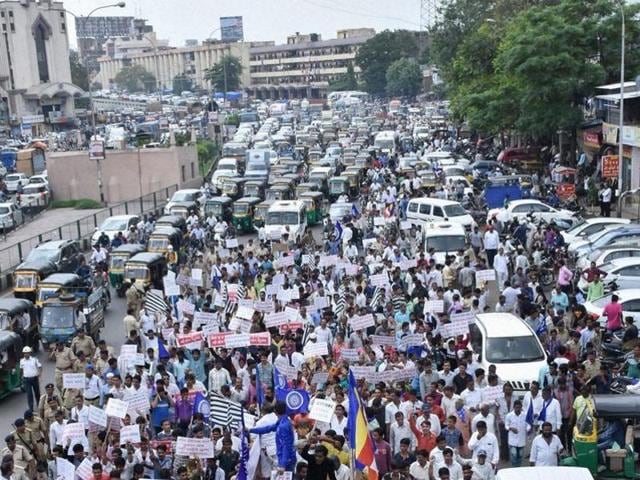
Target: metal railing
pixel 85 227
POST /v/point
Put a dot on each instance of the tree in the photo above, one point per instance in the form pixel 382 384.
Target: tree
pixel 79 74
pixel 226 73
pixel 404 78
pixel 376 54
pixel 182 83
pixel 345 81
pixel 135 78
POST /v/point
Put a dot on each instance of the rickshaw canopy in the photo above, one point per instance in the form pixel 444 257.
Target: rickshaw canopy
pixel 617 406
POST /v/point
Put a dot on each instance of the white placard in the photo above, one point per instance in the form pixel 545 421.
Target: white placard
pixel 291 313
pixel 327 260
pixel 130 434
pixel 232 243
pixel 351 270
pixel 275 319
pixel 411 340
pixel 74 380
pixel 284 262
pixel 405 225
pixel 408 264
pixel 468 317
pixel 313 349
pixel 265 306
pixel 281 476
pixel 491 394
pixel 320 378
pixel 379 280
pixel 284 295
pixel 117 408
pixel 322 410
pixel 453 329
pixel 198 447
pixel 350 354
pixel 361 322
pixel 434 306
pixel 85 470
pixel 238 340
pixel 321 302
pixel 72 430
pixel 384 340
pixel 203 318
pixel 378 221
pixel 278 279
pixel 245 312
pixel 196 277
pixel 65 469
pixel 138 401
pixel 485 275
pixel 97 416
pixel 185 307
pixel 171 288
pixel 288 371
pixel 128 352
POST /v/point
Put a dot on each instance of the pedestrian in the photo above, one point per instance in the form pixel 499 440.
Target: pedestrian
pixel 605 196
pixel 30 370
pixel 546 448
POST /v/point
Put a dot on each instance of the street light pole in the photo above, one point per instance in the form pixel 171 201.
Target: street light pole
pixel 621 110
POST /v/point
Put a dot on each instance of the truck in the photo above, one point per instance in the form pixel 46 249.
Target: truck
pixel 258 164
pixel 8 157
pixel 30 161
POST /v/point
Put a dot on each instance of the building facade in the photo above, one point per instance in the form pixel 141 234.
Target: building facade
pixel 35 76
pixel 165 65
pixel 304 66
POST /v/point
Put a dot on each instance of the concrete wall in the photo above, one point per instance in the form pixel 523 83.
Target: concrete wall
pixel 126 174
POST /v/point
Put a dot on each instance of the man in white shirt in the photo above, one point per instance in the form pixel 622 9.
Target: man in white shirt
pixel 93 392
pixel 486 416
pixel 550 411
pixel 491 242
pixel 472 396
pixel 545 448
pixel 399 430
pixel 483 440
pixel 218 377
pixel 501 265
pixel 338 422
pixel 517 428
pixel 446 374
pixel 448 402
pixel 454 468
pixel 419 470
pixel 80 413
pixel 31 369
pixel 56 429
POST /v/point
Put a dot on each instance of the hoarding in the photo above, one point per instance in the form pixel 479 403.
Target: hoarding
pixel 231 29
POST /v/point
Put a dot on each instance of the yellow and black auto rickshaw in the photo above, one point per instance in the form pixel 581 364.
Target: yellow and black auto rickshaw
pixel 279 192
pixel 163 237
pixel 27 277
pixel 233 187
pixel 175 221
pixel 20 316
pixel 338 186
pixel 146 269
pixel 243 213
pixel 255 188
pixel 117 259
pixel 219 207
pixel 260 212
pixel 10 353
pixel 59 284
pixel 314 201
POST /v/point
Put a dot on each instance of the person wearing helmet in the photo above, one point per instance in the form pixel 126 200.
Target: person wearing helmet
pixel 172 257
pixel 30 369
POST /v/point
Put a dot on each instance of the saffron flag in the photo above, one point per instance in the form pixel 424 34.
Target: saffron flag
pixel 359 437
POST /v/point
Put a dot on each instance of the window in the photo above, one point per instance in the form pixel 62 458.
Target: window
pixel 426 209
pixel 592 229
pixel 13 27
pixel 183 173
pixel 193 170
pixel 437 212
pixel 41 53
pixel 413 207
pixel 10 14
pixel 540 208
pixel 632 271
pixel 631 306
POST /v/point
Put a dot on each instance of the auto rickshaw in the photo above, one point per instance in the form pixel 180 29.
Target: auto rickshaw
pixel 20 316
pixel 117 259
pixel 64 316
pixel 255 188
pixel 306 187
pixel 27 277
pixel 564 178
pixel 184 209
pixel 59 284
pixel 315 154
pixel 233 187
pixel 314 202
pixel 146 269
pixel 338 186
pixel 260 212
pixel 10 354
pixel 175 221
pixel 619 415
pixel 243 213
pixel 278 192
pixel 354 182
pixel 219 207
pixel 162 237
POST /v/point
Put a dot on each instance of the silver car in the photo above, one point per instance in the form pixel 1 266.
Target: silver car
pixel 10 216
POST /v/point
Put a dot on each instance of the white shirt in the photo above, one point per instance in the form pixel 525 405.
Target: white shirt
pixel 520 423
pixel 398 433
pixel 92 387
pixel 488 443
pixel 218 378
pixel 606 195
pixel 543 453
pixel 553 414
pixel 491 240
pixel 455 470
pixel 433 419
pixel 418 472
pixel 337 425
pixel 390 411
pixel 472 398
pixel 30 367
pixel 537 405
pixel 55 433
pixel 81 416
pixel 268 440
pixel 449 404
pixel 490 420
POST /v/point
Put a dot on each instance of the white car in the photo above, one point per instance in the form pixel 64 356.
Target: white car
pixel 10 216
pixel 112 225
pixel 623 273
pixel 226 168
pixel 187 195
pixel 38 180
pixel 629 299
pixel 606 255
pixel 590 226
pixel 337 211
pixel 35 195
pixel 522 209
pixel 13 180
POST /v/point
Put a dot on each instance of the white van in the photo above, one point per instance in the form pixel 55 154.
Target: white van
pixel 444 238
pixel 286 217
pixel 385 142
pixel 425 209
pixel 506 341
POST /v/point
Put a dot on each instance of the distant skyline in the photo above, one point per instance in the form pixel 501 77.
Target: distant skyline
pixel 181 20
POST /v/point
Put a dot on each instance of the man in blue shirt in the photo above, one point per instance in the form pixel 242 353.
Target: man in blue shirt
pixel 285 449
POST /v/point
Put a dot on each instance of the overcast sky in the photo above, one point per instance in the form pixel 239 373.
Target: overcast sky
pixel 179 20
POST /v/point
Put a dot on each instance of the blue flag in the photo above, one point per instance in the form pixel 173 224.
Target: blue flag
pixel 244 450
pixel 529 417
pixel 259 390
pixel 201 405
pixel 338 231
pixel 296 400
pixel 279 380
pixel 163 353
pixel 354 210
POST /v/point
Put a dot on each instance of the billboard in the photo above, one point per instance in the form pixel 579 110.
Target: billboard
pixel 610 166
pixel 231 29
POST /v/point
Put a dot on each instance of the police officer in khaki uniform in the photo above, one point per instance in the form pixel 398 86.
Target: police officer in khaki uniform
pixel 65 361
pixel 27 439
pixel 83 342
pixel 134 298
pixel 37 427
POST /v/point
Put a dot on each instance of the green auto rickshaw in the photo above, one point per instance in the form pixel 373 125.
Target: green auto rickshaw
pixel 147 269
pixel 306 187
pixel 118 258
pixel 255 188
pixel 260 212
pixel 163 237
pixel 338 186
pixel 10 352
pixel 243 213
pixel 314 202
pixel 20 316
pixel 219 207
pixel 233 187
pixel 279 192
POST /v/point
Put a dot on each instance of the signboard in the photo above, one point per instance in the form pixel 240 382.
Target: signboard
pixel 33 119
pixel 591 139
pixel 130 433
pixel 231 29
pixel 610 166
pixel 116 408
pixel 96 150
pixel 97 416
pixel 199 447
pixel 322 410
pixel 73 380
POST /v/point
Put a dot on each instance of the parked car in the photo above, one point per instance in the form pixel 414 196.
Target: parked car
pixel 10 216
pixel 62 254
pixel 522 209
pixel 621 274
pixel 629 299
pixel 590 226
pixel 183 196
pixel 624 235
pixel 606 255
pixel 13 180
pixel 35 195
pixel 112 225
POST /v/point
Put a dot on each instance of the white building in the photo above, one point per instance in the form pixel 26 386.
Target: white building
pixel 35 76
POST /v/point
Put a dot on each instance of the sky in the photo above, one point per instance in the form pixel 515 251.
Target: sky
pixel 179 20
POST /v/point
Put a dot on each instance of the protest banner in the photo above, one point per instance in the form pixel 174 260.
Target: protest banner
pixel 321 302
pixel 203 318
pixel 190 340
pixel 197 447
pixel 291 313
pixel 362 371
pixel 262 339
pixel 196 277
pixel 275 319
pixel 245 313
pixel 384 340
pixel 265 306
pixel 231 243
pixel 453 329
pixel 128 352
pixel 408 264
pixel 350 354
pixel 322 410
pixel 210 328
pixel 97 416
pixel 434 306
pixel 244 326
pixel 319 378
pixel 327 260
pixel 379 280
pixel 182 281
pixel 284 262
pixel 138 401
pixel 491 394
pixel 289 327
pixel 468 317
pixel 171 288
pixel 116 408
pixel 85 470
pixel 361 322
pixel 312 349
pixel 405 225
pixel 72 430
pixel 485 275
pixel 74 380
pixel 186 307
pixel 237 340
pixel 288 371
pixel 402 374
pixel 65 469
pixel 411 340
pixel 130 433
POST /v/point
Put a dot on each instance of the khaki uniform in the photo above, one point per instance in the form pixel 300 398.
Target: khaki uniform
pixel 47 412
pixel 65 361
pixel 37 428
pixel 134 299
pixel 85 345
pixel 21 457
pixel 27 439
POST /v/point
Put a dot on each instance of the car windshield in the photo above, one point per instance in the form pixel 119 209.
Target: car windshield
pixel 602 301
pixel 249 117
pixel 58 317
pixel 113 224
pixel 513 350
pixel 241 208
pixel 42 254
pixel 158 243
pixel 26 280
pixel 282 218
pixel 45 293
pixel 214 208
pixel 183 197
pixel 446 243
pixel 454 172
pixel 32 190
pixel 340 211
pixel 4 210
pixel 136 271
pixel 603 238
pixel 226 166
pixel 12 178
pixel 233 151
pixel 454 211
pixel 576 228
pixel 118 261
pixel 384 143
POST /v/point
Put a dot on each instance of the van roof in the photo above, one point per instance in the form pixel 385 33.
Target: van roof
pixel 503 325
pixel 286 205
pixel 442 229
pixel 439 202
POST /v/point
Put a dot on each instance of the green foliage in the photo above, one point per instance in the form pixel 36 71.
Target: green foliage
pixel 233 119
pixel 345 81
pixel 376 55
pixel 404 78
pixel 228 70
pixel 135 78
pixel 207 155
pixel 181 83
pixel 79 74
pixel 80 204
pixel 182 138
